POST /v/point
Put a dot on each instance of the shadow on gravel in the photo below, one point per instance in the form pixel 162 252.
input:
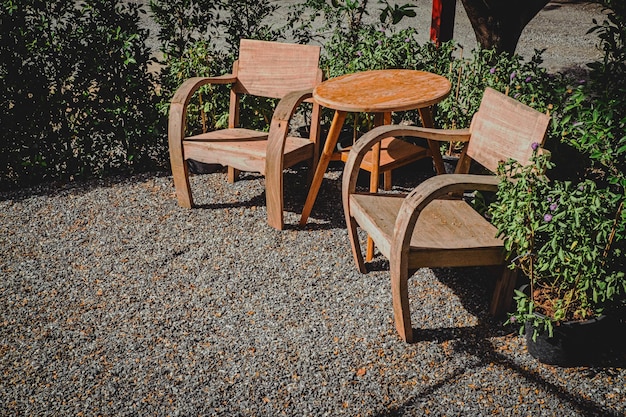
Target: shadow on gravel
pixel 474 286
pixel 482 348
pixel 256 201
pixel 54 189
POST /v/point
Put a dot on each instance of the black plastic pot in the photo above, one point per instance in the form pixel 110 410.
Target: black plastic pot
pixel 573 343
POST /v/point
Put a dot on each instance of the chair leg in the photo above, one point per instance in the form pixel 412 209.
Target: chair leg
pixel 387 182
pixel 503 292
pixel 274 198
pixel 356 246
pixel 233 174
pixel 369 254
pixel 400 297
pixel 180 174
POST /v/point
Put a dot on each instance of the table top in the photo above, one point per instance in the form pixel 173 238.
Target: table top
pixel 380 91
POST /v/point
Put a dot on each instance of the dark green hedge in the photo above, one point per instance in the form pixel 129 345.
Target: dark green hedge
pixel 77 98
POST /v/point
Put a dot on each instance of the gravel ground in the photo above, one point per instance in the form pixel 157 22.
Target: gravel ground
pixel 115 301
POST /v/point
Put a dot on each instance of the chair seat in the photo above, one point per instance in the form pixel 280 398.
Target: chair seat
pixel 394 153
pixel 243 149
pixel 452 228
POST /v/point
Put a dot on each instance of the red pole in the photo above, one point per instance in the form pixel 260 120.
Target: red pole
pixel 442 24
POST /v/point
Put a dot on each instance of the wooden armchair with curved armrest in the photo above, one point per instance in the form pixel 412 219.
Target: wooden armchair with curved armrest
pixel 266 69
pixel 432 226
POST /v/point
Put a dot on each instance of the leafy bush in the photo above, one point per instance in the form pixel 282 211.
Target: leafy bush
pixel 373 48
pixel 569 235
pixel 593 119
pixel 526 81
pixel 565 238
pixel 200 39
pixel 78 99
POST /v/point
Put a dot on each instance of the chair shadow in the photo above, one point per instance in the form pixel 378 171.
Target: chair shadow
pixel 482 349
pixel 327 211
pixel 474 286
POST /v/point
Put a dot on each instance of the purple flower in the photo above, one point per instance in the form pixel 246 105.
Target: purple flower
pixel 407 40
pixel 513 74
pixel 535 146
pixel 549 199
pixel 379 42
pixel 553 206
pixel 492 70
pixel 528 79
pixel 359 53
pixel 516 95
pixel 582 81
pixel 547 217
pixel 513 319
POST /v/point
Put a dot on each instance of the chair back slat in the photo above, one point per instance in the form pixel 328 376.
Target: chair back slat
pixel 504 128
pixel 273 69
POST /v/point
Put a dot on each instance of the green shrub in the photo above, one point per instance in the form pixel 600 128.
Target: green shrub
pixel 593 119
pixel 526 81
pixel 77 98
pixel 563 236
pixel 568 234
pixel 201 39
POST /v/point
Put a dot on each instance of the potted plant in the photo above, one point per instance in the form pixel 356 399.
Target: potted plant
pixel 567 239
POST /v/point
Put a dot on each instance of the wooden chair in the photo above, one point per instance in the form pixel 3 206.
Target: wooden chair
pixel 432 226
pixel 267 69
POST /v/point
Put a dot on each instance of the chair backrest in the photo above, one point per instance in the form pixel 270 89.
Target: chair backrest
pixel 504 128
pixel 273 69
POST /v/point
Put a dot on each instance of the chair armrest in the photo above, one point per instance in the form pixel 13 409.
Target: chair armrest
pixel 274 155
pixel 441 135
pixel 185 91
pixel 279 127
pixel 178 107
pixel 368 140
pixel 287 105
pixel 440 186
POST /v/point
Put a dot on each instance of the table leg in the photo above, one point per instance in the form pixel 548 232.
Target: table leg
pixel 379 119
pixel 327 152
pixel 426 115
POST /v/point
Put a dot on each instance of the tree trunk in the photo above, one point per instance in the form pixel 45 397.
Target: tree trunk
pixel 499 23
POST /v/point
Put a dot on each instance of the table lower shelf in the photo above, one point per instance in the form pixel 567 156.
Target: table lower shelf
pixel 394 153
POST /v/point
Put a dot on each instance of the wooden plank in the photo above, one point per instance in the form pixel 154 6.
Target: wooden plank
pixel 276 69
pixel 451 226
pixel 505 128
pixel 394 153
pixel 246 155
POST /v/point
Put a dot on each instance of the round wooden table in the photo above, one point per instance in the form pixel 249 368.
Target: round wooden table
pixel 380 92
